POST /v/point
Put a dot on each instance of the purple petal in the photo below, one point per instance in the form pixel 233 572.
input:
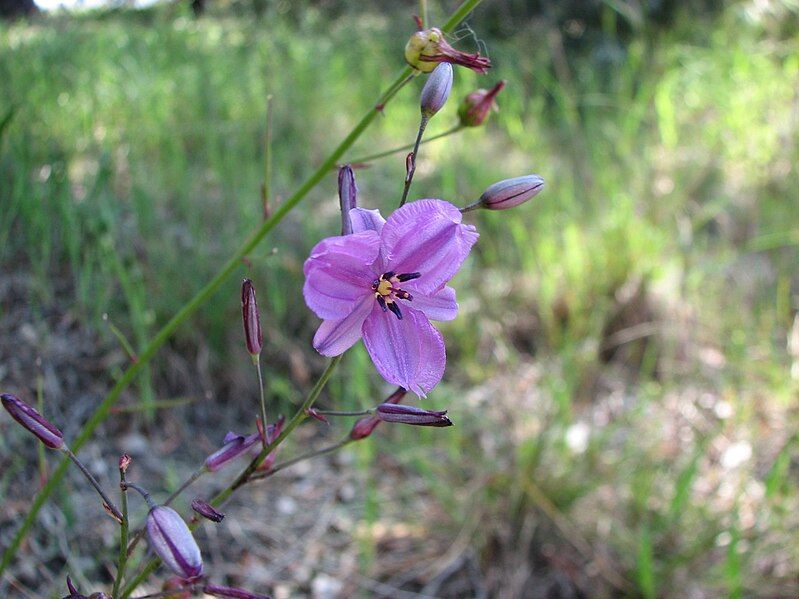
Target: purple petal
pixel 408 352
pixel 339 273
pixel 438 306
pixel 428 237
pixel 366 220
pixel 334 337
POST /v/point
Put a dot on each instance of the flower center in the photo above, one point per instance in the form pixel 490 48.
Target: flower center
pixel 387 290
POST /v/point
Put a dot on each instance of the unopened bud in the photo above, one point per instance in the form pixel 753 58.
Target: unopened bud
pixel 124 462
pixel 428 47
pixel 272 432
pixel 475 108
pixel 252 320
pixel 172 540
pixel 73 592
pixel 436 89
pixel 234 446
pixel 216 590
pixel 365 426
pixel 206 510
pixel 509 193
pixel 347 196
pixel 412 415
pixel 33 421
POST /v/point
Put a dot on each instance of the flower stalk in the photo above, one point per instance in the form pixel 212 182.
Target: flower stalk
pixel 122 562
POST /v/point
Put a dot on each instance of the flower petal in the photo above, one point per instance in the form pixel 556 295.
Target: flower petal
pixel 339 273
pixel 408 352
pixel 366 220
pixel 334 337
pixel 426 236
pixel 438 306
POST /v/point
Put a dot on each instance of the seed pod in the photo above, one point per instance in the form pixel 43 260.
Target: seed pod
pixel 428 47
pixel 252 320
pixel 172 540
pixel 412 415
pixel 511 192
pixel 436 89
pixel 33 421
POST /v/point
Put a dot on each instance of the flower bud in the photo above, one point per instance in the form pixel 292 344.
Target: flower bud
pixel 436 89
pixel 272 432
pixel 364 427
pixel 476 107
pixel 314 413
pixel 412 415
pixel 234 446
pixel 171 539
pixel 428 47
pixel 252 320
pixel 33 421
pixel 347 196
pixel 511 192
pixel 124 462
pixel 216 590
pixel 206 510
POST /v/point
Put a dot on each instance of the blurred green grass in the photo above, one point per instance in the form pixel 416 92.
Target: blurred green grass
pixel 659 262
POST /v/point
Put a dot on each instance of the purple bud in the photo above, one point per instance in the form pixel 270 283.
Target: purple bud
pixel 219 591
pixel 33 421
pixel 234 446
pixel 476 107
pixel 412 415
pixel 347 196
pixel 124 462
pixel 436 89
pixel 272 432
pixel 206 510
pixel 252 320
pixel 171 539
pixel 364 427
pixel 511 192
pixel 314 413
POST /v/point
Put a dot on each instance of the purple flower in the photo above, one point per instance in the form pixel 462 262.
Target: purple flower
pixel 171 539
pixel 385 282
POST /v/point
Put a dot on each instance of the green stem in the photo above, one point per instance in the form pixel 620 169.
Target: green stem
pixel 245 476
pixel 339 413
pixel 123 535
pixel 267 158
pixel 412 169
pixel 306 456
pixel 107 503
pixel 101 412
pixel 372 157
pixel 261 390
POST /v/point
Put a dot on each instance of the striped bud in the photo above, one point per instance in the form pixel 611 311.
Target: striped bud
pixel 252 320
pixel 436 89
pixel 347 196
pixel 33 421
pixel 172 540
pixel 411 415
pixel 511 192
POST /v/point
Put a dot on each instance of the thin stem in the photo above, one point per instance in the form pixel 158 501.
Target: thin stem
pixel 338 413
pixel 306 456
pixel 123 534
pixel 202 296
pixel 257 360
pixel 412 169
pixel 404 148
pixel 40 446
pixel 298 417
pixel 144 493
pixel 471 207
pixel 423 13
pixel 246 475
pixel 108 503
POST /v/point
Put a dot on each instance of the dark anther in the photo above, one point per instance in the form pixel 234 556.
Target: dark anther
pixel 395 309
pixel 402 294
pixel 408 276
pixel 387 275
pixel 382 302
